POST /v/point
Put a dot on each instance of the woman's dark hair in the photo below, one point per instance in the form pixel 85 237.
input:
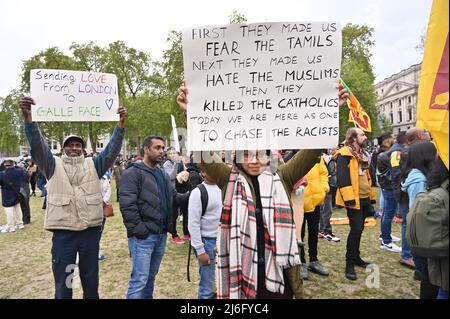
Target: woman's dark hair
pixel 421 156
pixel 437 174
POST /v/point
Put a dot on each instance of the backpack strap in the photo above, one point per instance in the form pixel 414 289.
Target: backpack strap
pixel 203 197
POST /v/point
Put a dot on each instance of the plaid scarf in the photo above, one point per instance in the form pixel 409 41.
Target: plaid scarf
pixel 237 265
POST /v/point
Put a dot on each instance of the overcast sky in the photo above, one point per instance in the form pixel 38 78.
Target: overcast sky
pixel 27 27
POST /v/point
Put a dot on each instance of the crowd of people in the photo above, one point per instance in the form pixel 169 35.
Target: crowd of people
pixel 245 213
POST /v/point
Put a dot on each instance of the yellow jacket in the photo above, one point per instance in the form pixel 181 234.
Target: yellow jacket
pixel 317 188
pixel 347 193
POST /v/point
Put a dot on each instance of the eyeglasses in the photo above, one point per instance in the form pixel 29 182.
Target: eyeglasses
pixel 251 156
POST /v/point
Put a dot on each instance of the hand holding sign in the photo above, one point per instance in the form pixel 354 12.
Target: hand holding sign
pixel 25 107
pixel 123 114
pixel 343 94
pixel 182 97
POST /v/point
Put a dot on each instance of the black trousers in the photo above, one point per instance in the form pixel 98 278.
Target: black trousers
pixel 312 219
pixel 173 230
pixel 184 213
pixel 66 245
pixel 33 183
pixel 356 218
pixel 26 212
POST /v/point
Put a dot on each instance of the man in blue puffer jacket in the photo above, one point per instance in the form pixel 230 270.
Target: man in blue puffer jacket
pixel 146 198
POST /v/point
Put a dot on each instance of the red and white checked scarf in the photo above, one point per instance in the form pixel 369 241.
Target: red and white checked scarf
pixel 237 262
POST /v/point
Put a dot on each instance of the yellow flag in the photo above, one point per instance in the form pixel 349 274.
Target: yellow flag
pixel 432 102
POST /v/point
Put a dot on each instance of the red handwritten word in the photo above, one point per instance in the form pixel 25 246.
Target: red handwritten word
pixel 92 78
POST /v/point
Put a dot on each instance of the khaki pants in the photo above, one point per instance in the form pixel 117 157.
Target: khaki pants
pixel 14 215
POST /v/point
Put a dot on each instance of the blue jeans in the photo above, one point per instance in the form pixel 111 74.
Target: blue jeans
pixel 41 185
pixel 389 208
pixel 442 294
pixel 381 201
pixel 65 246
pixel 406 251
pixel 206 285
pixel 146 255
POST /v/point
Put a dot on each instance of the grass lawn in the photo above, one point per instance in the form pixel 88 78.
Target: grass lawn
pixel 25 265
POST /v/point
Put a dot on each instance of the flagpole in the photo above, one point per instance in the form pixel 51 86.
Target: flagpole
pixel 349 108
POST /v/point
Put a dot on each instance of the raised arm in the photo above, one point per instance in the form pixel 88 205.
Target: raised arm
pixel 108 156
pixel 39 150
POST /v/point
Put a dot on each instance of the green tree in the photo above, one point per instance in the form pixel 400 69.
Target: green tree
pixel 12 125
pixel 237 18
pixel 132 67
pixel 172 72
pixel 357 72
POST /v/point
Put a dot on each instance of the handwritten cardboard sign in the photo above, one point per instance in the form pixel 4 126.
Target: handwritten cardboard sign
pixel 262 86
pixel 63 95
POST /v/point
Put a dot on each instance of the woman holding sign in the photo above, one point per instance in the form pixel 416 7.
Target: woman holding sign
pixel 257 250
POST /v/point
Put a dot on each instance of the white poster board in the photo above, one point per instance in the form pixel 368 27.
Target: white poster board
pixel 176 142
pixel 262 86
pixel 79 96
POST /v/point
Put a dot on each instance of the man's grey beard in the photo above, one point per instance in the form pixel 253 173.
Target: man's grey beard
pixel 364 144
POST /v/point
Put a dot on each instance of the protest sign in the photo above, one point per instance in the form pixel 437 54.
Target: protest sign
pixel 63 95
pixel 262 86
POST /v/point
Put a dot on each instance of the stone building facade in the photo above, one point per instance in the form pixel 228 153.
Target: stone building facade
pixel 397 98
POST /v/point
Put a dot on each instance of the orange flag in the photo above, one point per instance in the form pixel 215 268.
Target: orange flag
pixel 357 113
pixel 432 102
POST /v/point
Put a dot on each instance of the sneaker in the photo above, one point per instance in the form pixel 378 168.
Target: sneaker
pixel 101 257
pixel 177 240
pixel 304 271
pixel 408 263
pixel 20 226
pixel 332 237
pixel 8 229
pixel 391 247
pixel 393 238
pixel 317 268
pixel 187 237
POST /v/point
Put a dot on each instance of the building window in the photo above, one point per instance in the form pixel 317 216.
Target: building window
pixel 400 116
pixel 410 114
pixel 55 146
pixel 391 106
pixel 409 99
pixel 399 102
pixel 391 116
